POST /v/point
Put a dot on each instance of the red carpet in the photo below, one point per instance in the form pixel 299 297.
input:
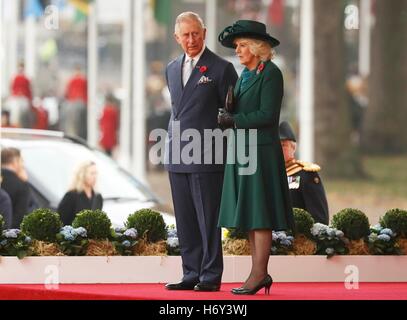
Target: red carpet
pixel 279 291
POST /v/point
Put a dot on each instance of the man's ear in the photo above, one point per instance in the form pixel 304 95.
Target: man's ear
pixel 176 37
pixel 204 33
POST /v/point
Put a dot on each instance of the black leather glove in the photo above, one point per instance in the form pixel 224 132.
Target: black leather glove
pixel 225 120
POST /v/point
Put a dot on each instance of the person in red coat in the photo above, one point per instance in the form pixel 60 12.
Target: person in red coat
pixel 21 85
pixel 77 88
pixel 109 124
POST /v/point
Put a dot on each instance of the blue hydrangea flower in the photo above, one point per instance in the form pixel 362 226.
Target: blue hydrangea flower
pixel 3 242
pixel 329 251
pixel 11 233
pixel 67 229
pixel 69 237
pixel 318 229
pixel 27 240
pixel 173 242
pixel 339 234
pixel 172 233
pixel 387 231
pixel 132 233
pixel 285 242
pixel 290 238
pixel 82 232
pixel 384 237
pixel 126 243
pixel 119 230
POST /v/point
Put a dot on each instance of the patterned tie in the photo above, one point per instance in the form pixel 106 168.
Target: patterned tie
pixel 189 68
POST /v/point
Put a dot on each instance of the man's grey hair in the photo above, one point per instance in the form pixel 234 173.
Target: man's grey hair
pixel 189 15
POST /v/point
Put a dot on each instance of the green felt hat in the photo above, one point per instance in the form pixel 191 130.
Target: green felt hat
pixel 246 29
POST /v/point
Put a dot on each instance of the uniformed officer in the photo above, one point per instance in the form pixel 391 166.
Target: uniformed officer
pixel 306 188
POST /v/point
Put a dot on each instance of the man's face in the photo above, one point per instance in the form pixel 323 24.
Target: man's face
pixel 191 37
pixel 288 149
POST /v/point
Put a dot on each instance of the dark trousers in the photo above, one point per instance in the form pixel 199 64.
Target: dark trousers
pixel 196 198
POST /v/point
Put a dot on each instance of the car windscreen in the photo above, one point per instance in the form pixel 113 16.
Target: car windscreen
pixel 51 166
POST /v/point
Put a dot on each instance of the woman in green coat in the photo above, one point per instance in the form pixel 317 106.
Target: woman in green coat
pixel 256 200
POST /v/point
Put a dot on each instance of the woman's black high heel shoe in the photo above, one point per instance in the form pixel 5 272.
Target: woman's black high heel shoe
pixel 266 283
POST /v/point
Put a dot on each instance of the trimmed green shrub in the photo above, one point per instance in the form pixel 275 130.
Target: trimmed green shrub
pixel 149 224
pixel 353 222
pixel 96 223
pixel 42 225
pixel 303 221
pixel 396 220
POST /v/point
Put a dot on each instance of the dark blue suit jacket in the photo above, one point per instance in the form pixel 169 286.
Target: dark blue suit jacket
pixel 196 107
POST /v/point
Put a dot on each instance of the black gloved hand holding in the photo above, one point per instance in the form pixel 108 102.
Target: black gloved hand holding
pixel 225 120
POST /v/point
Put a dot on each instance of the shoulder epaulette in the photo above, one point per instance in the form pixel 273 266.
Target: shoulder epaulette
pixel 309 166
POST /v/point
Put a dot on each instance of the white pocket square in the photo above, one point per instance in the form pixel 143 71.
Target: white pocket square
pixel 204 80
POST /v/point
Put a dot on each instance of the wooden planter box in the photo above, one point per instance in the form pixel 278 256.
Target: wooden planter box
pixel 155 269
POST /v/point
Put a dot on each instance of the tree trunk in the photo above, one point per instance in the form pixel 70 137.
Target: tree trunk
pixel 386 117
pixel 334 149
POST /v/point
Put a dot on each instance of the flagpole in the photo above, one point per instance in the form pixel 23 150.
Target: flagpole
pixel 211 28
pixel 30 46
pixel 125 112
pixel 10 20
pixel 365 37
pixel 306 112
pixel 139 101
pixel 92 74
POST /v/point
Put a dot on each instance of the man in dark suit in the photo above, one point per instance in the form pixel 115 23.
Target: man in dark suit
pixel 306 189
pixel 198 82
pixel 15 184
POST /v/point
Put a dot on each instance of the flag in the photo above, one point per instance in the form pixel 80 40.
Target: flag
pixel 33 8
pixel 276 12
pixel 81 5
pixel 162 11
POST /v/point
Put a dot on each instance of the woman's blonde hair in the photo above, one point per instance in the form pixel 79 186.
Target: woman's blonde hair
pixel 259 48
pixel 78 181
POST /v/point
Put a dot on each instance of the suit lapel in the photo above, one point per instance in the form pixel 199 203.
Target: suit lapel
pixel 193 79
pixel 178 79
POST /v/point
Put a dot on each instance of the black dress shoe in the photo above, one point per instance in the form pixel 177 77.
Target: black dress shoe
pixel 180 286
pixel 207 286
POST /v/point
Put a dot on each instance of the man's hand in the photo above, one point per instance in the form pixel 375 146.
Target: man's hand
pixel 226 120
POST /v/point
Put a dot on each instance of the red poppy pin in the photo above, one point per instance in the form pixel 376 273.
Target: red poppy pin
pixel 203 69
pixel 260 68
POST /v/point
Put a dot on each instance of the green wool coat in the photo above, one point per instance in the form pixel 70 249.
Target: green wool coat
pixel 258 198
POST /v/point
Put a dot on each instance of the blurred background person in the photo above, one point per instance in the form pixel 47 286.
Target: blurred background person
pixel 19 102
pixel 81 194
pixel 6 208
pixel 15 184
pixel 306 189
pixel 73 119
pixel 109 125
pixel 5 119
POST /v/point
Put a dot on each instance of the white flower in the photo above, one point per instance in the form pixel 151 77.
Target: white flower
pixel 377 227
pixel 173 242
pixel 329 251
